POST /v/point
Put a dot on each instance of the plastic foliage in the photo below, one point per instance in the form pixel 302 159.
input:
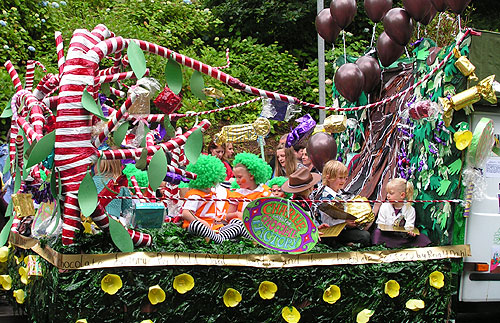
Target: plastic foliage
pixel 436 279
pixel 19 294
pixel 156 294
pixel 111 283
pixel 231 297
pixel 415 304
pixel 392 288
pixel 255 165
pixel 290 314
pixel 331 294
pixel 209 170
pixel 267 289
pixel 183 283
pixel 6 282
pixel 364 316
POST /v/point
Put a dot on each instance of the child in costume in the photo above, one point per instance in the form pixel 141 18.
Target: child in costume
pixel 275 185
pixel 334 177
pixel 207 218
pixel 301 184
pixel 400 215
pixel 250 172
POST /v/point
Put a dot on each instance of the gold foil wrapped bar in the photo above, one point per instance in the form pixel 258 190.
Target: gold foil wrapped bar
pixel 362 211
pixel 23 204
pixel 335 123
pixel 465 66
pixel 243 132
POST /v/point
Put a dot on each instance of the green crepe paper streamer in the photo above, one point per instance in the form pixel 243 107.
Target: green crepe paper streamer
pixel 120 133
pixel 7 112
pixel 197 85
pixel 157 169
pixel 136 59
pixel 169 128
pixel 41 149
pixel 4 235
pixel 89 104
pixel 120 236
pixel 481 144
pixel 193 146
pixel 87 195
pixel 142 163
pixel 173 75
pixel 6 166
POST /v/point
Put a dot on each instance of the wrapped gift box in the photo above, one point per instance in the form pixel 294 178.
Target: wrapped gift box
pixel 148 215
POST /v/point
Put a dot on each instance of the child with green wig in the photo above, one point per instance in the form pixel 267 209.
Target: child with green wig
pixel 203 215
pixel 275 186
pixel 250 172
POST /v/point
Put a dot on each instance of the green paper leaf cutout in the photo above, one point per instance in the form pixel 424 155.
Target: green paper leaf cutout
pixel 120 133
pixel 87 195
pixel 157 169
pixel 197 85
pixel 42 149
pixel 7 112
pixel 173 75
pixel 142 163
pixel 17 182
pixel 105 89
pixel 8 211
pixel 4 235
pixel 143 142
pixel 136 59
pixel 444 187
pixel 168 127
pixel 120 236
pixel 455 167
pixel 193 146
pixel 91 106
pixel 6 166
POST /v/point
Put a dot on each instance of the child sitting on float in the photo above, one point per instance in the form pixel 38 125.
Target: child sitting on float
pixel 334 177
pixel 275 185
pixel 398 214
pixel 301 184
pixel 201 214
pixel 250 172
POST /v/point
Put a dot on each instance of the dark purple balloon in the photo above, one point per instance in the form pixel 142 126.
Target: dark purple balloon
pixel 398 25
pixel 326 27
pixel 457 6
pixel 417 8
pixel 349 81
pixel 440 5
pixel 429 16
pixel 376 9
pixel 371 71
pixel 343 12
pixel 388 50
pixel 321 147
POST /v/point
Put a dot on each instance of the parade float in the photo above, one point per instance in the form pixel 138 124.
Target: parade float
pixel 64 258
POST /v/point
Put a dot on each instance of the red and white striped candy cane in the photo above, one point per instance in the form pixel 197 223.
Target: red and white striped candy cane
pixel 13 76
pixel 117 92
pixel 60 51
pixel 137 190
pixel 116 77
pixel 47 84
pixel 30 73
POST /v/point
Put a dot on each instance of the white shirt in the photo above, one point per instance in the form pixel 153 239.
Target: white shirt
pixel 329 194
pixel 387 215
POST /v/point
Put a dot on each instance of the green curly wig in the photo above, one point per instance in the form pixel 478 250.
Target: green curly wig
pixel 140 175
pixel 280 180
pixel 209 170
pixel 260 170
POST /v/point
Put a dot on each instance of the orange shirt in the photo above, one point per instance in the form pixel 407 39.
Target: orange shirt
pixel 213 212
pixel 261 191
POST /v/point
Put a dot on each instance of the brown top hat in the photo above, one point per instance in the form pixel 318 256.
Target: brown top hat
pixel 300 180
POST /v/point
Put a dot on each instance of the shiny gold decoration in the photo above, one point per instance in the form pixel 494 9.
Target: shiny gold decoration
pixel 483 89
pixel 465 66
pixel 262 126
pixel 213 93
pixel 23 204
pixel 335 123
pixel 142 103
pixel 362 211
pixel 243 132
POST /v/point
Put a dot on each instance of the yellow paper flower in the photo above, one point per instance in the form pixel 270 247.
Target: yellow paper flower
pixel 331 294
pixel 81 321
pixel 146 321
pixel 231 297
pixel 87 227
pixel 4 254
pixel 364 316
pixel 462 139
pixel 183 283
pixel 415 304
pixel 111 283
pixel 290 314
pixel 23 272
pixel 6 282
pixel 436 279
pixel 392 288
pixel 156 294
pixel 267 289
pixel 19 295
pixel 19 259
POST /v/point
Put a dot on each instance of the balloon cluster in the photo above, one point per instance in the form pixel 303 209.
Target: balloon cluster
pixel 352 79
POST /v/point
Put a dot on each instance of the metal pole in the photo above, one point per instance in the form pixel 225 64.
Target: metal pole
pixel 321 68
